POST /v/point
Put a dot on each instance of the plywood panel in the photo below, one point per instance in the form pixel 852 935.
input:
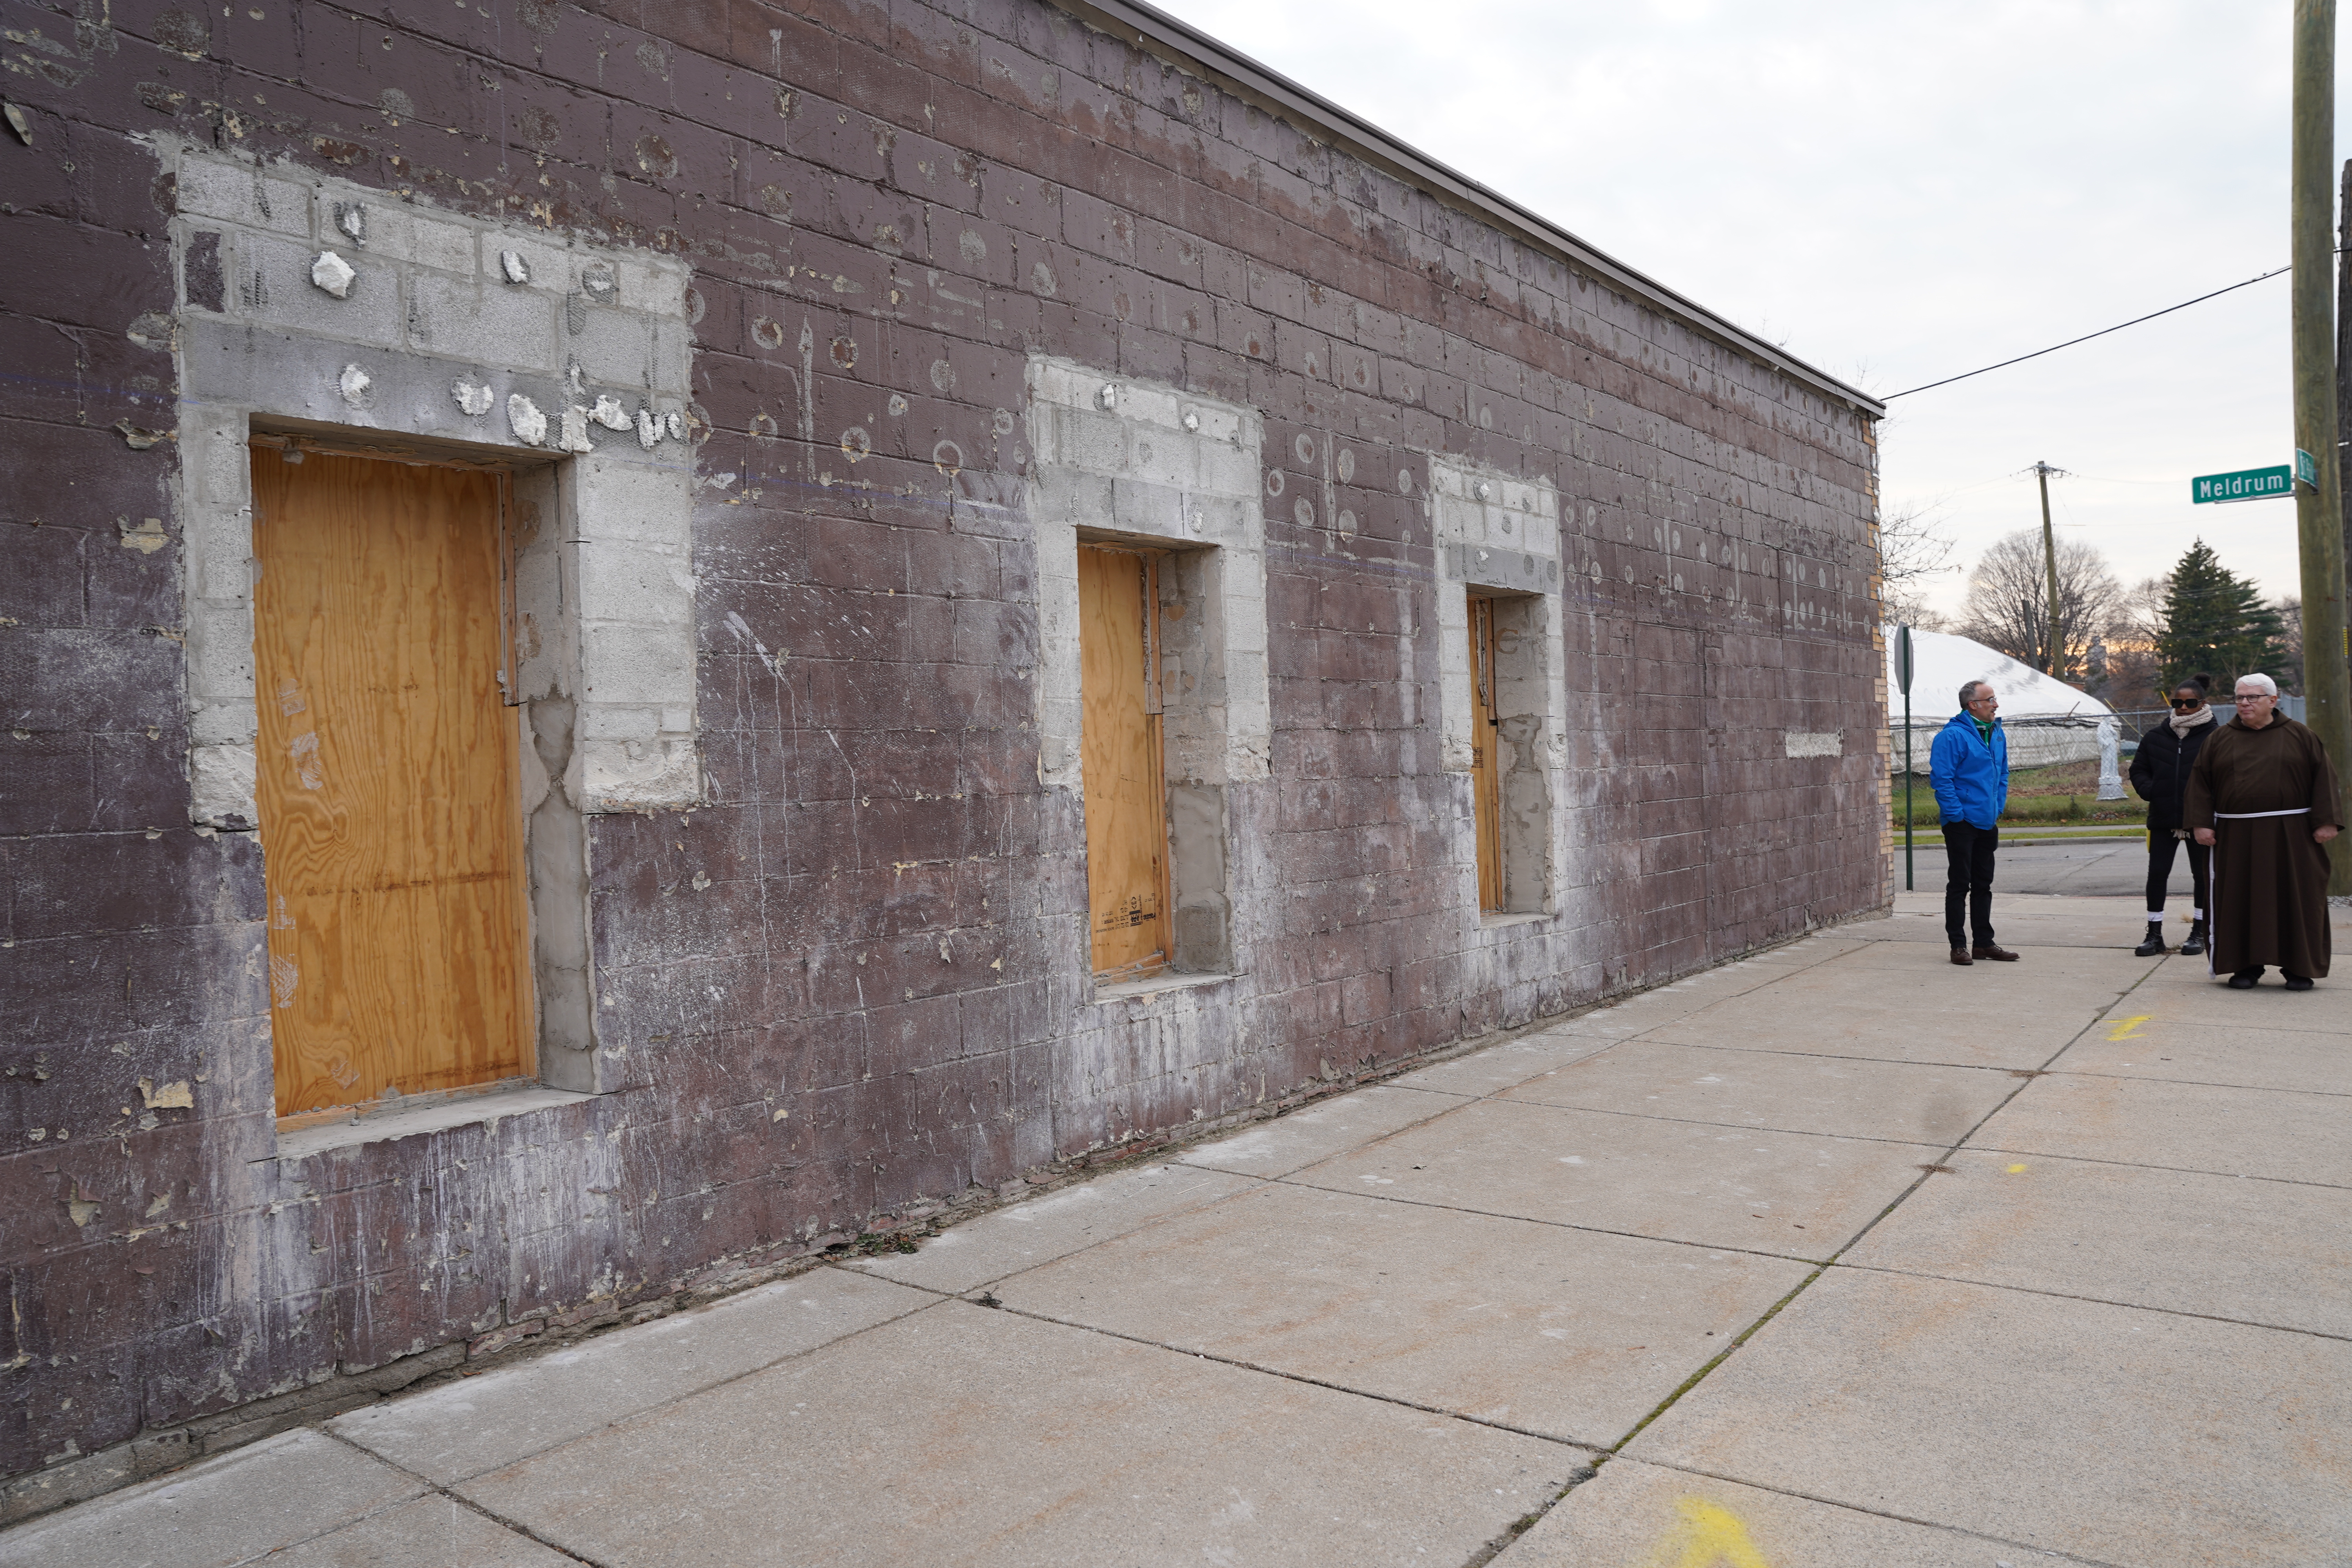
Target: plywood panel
pixel 1118 754
pixel 1486 775
pixel 391 828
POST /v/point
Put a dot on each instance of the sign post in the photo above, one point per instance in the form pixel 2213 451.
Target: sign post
pixel 1902 679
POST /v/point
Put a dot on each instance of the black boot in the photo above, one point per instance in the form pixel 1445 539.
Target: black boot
pixel 2196 943
pixel 2155 943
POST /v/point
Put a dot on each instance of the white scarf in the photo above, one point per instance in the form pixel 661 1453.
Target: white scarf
pixel 2184 723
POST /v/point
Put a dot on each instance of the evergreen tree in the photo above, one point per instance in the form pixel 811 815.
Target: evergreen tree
pixel 2218 622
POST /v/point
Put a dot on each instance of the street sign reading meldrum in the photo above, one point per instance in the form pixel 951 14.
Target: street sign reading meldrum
pixel 2246 484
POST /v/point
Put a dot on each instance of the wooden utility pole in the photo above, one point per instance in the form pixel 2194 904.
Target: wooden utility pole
pixel 2057 661
pixel 2319 507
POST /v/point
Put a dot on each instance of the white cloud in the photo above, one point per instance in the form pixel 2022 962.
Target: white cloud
pixel 1900 194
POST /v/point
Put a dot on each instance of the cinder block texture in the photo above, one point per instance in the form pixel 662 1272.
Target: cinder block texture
pixel 795 320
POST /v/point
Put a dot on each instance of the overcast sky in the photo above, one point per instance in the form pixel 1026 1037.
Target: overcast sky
pixel 1899 193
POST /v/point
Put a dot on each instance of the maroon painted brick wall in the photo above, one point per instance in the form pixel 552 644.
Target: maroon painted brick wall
pixel 876 925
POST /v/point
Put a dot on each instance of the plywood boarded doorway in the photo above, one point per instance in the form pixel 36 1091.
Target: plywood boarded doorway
pixel 1121 759
pixel 1486 738
pixel 390 823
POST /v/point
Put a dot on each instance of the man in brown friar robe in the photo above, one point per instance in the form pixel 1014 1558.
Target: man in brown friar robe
pixel 2263 794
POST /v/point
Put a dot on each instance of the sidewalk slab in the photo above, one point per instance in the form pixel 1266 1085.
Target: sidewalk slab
pixel 2224 1246
pixel 2269 1132
pixel 231 1508
pixel 1346 1121
pixel 1504 1066
pixel 1841 1096
pixel 1897 1002
pixel 1645 1010
pixel 963 1436
pixel 1792 1194
pixel 434 1532
pixel 1053 1224
pixel 2120 1434
pixel 2190 995
pixel 1560 1333
pixel 2163 1046
pixel 477 1424
pixel 1633 1513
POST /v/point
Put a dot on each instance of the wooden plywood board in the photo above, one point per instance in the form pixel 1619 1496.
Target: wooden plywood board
pixel 390 823
pixel 1126 788
pixel 1486 738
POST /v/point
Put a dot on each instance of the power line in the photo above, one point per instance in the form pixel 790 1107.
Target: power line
pixel 2086 337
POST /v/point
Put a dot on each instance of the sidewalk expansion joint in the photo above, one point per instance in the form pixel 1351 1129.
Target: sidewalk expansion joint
pixel 1567 1224
pixel 1578 1444
pixel 458 1499
pixel 2004 1540
pixel 2097 1301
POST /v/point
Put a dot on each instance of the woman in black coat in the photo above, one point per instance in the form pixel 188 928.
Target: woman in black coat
pixel 2159 772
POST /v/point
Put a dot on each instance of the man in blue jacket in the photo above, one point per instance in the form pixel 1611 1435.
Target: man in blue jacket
pixel 1969 766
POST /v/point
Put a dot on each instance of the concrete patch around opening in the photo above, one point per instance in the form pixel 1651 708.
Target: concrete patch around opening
pixel 1041 1229
pixel 465 1427
pixel 1838 1096
pixel 1638 1513
pixel 218 1511
pixel 1571 1335
pixel 1346 1121
pixel 2119 1435
pixel 1795 1194
pixel 2143 1038
pixel 432 1532
pixel 2182 1126
pixel 963 1436
pixel 2225 1246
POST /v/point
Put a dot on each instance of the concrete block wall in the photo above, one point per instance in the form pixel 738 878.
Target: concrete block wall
pixel 851 977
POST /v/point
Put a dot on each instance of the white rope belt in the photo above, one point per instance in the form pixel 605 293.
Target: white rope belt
pixel 2248 816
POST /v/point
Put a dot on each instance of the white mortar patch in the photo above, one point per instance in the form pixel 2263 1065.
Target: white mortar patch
pixel 375 314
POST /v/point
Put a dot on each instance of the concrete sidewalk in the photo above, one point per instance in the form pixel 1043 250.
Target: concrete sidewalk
pixel 1838 1256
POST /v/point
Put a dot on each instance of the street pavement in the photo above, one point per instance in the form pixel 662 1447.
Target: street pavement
pixel 1839 1256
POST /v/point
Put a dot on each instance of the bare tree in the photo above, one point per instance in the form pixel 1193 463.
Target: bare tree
pixel 1913 552
pixel 2135 668
pixel 2007 600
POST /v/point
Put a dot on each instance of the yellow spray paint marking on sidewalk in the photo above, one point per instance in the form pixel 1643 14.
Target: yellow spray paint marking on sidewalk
pixel 2017 1170
pixel 1710 1536
pixel 2128 1028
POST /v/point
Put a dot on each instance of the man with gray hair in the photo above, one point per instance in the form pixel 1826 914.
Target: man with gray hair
pixel 2264 794
pixel 1968 767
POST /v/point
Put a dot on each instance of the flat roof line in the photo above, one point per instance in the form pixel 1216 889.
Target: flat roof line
pixel 1152 26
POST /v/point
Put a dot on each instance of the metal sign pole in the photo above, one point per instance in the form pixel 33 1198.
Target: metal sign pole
pixel 1903 674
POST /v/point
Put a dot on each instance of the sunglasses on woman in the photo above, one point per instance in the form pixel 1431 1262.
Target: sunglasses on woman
pixel 2188 702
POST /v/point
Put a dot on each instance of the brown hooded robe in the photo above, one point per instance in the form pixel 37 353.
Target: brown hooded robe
pixel 2270 879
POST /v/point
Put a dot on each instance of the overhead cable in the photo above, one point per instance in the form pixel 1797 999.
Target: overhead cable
pixel 2086 337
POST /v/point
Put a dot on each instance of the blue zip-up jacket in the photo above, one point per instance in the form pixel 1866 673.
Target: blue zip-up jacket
pixel 1970 779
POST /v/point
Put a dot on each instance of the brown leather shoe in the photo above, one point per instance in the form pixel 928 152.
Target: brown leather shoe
pixel 1996 952
pixel 1960 956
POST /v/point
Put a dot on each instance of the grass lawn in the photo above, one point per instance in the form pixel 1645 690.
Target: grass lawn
pixel 2064 796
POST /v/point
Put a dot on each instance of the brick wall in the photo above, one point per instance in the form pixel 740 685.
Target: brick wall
pixel 854 978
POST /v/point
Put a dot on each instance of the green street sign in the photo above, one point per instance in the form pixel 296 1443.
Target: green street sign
pixel 2246 484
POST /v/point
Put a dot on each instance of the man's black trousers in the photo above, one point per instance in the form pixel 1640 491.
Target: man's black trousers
pixel 1968 888
pixel 2159 872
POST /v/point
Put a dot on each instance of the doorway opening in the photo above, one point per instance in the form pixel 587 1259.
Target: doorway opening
pixel 388 780
pixel 1122 760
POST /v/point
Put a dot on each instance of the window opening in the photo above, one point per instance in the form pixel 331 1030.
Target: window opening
pixel 1122 760
pixel 388 783
pixel 1486 744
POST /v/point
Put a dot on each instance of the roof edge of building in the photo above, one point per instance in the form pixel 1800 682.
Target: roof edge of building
pixel 1157 32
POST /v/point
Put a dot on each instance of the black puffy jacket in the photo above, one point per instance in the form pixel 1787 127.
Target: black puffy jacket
pixel 2159 771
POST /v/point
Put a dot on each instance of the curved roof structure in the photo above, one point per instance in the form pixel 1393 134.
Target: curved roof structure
pixel 1942 660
